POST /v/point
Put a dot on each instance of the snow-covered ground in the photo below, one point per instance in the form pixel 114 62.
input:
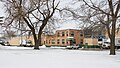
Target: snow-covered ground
pixel 24 57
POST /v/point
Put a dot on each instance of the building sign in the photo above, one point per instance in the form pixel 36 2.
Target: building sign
pixel 98 37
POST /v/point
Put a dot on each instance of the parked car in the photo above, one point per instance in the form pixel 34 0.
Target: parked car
pixel 1 42
pixel 106 43
pixel 73 46
pixel 26 43
pixel 4 43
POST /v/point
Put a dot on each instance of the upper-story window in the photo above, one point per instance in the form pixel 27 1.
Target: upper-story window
pixel 58 34
pixel 67 33
pixel 99 33
pixel 72 34
pixel 81 33
pixel 63 33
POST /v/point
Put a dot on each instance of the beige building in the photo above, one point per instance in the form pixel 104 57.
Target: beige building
pixel 60 38
pixel 15 41
pixel 94 41
pixel 117 34
pixel 91 41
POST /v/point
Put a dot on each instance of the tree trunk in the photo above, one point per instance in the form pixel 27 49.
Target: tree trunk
pixel 37 42
pixel 36 46
pixel 112 46
pixel 112 38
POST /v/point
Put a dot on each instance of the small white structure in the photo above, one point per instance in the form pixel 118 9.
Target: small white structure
pixel 25 43
pixel 106 43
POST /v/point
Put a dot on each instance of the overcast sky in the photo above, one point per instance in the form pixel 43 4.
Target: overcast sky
pixel 1 9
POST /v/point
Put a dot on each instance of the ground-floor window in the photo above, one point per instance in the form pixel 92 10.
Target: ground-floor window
pixel 46 42
pixel 74 41
pixel 81 41
pixel 49 41
pixel 63 41
pixel 53 41
pixel 58 41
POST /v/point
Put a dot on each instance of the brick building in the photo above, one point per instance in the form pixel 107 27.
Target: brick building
pixel 60 38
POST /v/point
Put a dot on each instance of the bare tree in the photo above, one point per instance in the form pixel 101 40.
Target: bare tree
pixel 106 12
pixel 36 14
pixel 10 34
pixel 103 12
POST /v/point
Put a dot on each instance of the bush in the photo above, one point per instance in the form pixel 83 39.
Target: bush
pixel 92 46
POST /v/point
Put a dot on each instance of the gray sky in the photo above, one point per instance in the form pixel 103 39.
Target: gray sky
pixel 1 9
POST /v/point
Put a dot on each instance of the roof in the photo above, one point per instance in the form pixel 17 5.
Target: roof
pixel 67 29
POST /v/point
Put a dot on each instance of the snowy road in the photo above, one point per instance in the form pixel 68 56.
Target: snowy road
pixel 20 57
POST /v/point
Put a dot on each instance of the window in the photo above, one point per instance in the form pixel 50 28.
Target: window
pixel 66 41
pixel 63 41
pixel 81 35
pixel 74 41
pixel 99 33
pixel 81 32
pixel 49 41
pixel 81 42
pixel 99 39
pixel 58 34
pixel 58 41
pixel 118 41
pixel 53 41
pixel 67 33
pixel 72 34
pixel 46 42
pixel 63 34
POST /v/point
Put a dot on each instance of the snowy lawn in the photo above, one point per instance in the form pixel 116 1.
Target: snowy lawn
pixel 23 57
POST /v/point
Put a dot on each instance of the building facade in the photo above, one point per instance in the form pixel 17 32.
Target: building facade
pixel 16 41
pixel 61 37
pixel 117 34
pixel 94 40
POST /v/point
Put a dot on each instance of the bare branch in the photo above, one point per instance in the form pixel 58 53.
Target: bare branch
pixel 95 7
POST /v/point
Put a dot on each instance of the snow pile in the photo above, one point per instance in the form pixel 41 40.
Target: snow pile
pixel 56 47
pixel 43 46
